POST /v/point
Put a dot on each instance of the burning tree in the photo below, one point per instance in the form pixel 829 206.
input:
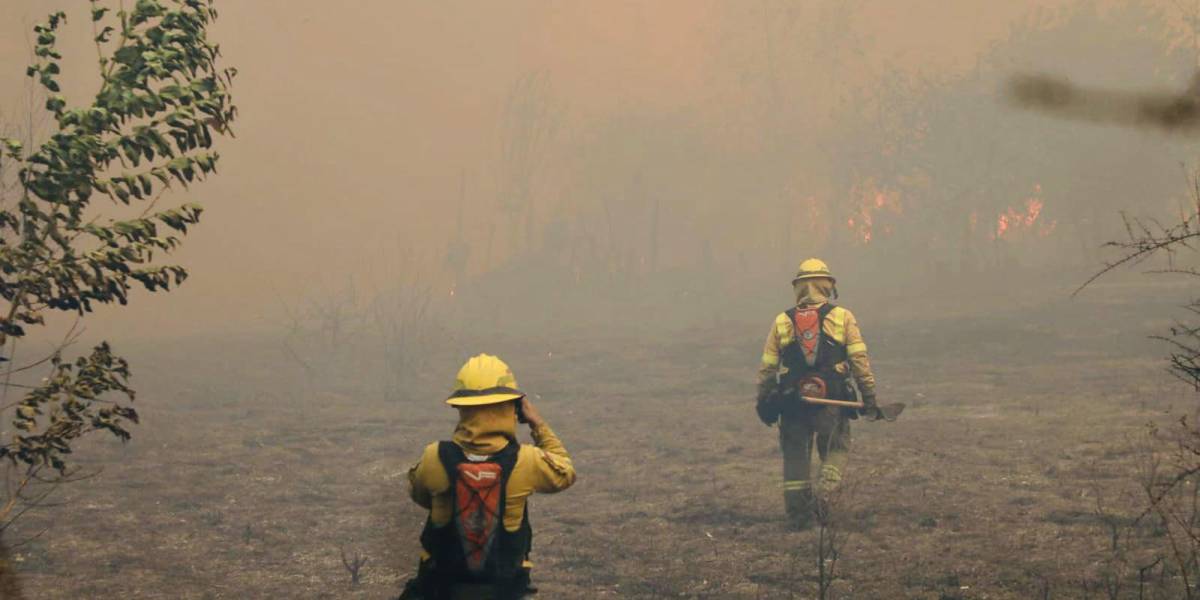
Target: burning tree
pixel 941 170
pixel 150 128
pixel 1170 471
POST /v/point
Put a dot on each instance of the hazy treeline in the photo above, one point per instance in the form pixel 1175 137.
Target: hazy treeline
pixel 902 167
pixel 673 155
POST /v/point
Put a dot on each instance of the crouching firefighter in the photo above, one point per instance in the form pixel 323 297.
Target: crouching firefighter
pixel 815 350
pixel 477 538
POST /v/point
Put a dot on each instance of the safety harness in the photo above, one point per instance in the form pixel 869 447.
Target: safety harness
pixel 474 547
pixel 810 358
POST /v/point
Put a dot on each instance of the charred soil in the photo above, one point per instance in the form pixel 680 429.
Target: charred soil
pixel 252 479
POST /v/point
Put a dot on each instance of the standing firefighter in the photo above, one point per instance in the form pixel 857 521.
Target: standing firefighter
pixel 476 541
pixel 813 350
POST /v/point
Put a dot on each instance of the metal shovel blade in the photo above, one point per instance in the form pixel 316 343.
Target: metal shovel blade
pixel 891 411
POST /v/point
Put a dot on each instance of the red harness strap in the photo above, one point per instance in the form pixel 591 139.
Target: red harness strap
pixel 478 511
pixel 807 324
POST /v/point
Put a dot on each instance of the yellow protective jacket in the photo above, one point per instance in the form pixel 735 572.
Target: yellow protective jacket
pixel 840 326
pixel 544 468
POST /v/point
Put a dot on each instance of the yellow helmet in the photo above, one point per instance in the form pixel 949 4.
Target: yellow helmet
pixel 484 379
pixel 813 268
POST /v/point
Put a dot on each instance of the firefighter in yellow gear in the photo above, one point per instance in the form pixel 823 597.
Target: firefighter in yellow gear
pixel 813 349
pixel 476 487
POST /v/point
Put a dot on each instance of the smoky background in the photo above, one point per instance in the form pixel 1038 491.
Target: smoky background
pixel 653 164
pixel 614 197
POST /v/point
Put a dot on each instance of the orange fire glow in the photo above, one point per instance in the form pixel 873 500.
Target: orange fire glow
pixel 877 212
pixel 1025 219
pixel 865 223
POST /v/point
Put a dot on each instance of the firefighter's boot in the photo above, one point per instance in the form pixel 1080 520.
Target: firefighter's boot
pixel 833 447
pixel 831 474
pixel 798 501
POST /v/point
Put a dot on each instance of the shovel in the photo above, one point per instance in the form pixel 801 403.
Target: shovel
pixel 887 412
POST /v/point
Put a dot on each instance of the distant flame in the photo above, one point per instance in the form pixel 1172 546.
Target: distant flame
pixel 872 203
pixel 877 212
pixel 1026 218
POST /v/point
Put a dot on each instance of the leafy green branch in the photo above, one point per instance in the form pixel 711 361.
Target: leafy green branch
pixel 150 128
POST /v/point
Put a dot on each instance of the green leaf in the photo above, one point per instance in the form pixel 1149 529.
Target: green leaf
pixel 55 103
pixel 162 97
pixel 104 36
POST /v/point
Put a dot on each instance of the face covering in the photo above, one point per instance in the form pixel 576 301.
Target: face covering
pixel 486 429
pixel 813 292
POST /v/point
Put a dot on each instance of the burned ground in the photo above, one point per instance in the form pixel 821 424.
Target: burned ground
pixel 1022 417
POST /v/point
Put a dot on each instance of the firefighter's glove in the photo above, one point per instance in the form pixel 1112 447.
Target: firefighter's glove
pixel 870 408
pixel 768 405
pixel 768 411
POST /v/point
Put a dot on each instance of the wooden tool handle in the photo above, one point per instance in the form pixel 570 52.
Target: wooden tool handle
pixel 828 402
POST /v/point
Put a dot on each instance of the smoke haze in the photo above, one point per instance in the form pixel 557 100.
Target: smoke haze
pixel 372 130
pixel 614 197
